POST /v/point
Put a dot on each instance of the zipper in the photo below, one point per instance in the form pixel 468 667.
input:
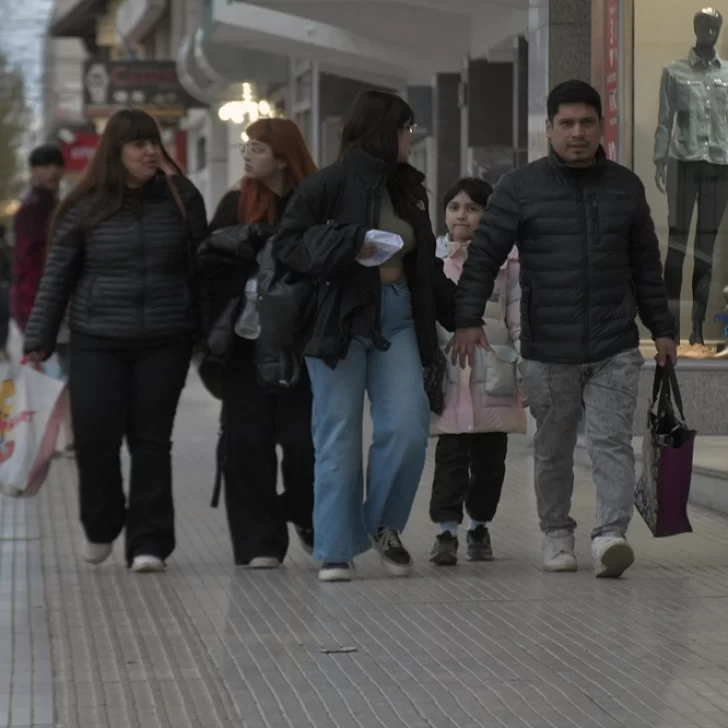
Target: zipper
pixel 142 241
pixel 374 211
pixel 594 214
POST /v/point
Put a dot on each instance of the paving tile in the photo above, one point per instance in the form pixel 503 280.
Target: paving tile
pixel 499 644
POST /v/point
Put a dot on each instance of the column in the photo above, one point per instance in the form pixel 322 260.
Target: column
pixel 559 49
pixel 447 135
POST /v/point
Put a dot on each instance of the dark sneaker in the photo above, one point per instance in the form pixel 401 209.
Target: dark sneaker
pixel 305 536
pixel 479 548
pixel 335 572
pixel 445 550
pixel 396 560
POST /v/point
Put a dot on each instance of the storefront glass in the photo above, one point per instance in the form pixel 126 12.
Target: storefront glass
pixel 680 151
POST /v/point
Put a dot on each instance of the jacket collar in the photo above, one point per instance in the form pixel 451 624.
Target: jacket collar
pixel 556 160
pixel 371 170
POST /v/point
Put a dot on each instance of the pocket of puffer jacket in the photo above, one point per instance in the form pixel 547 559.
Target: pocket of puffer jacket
pixel 500 377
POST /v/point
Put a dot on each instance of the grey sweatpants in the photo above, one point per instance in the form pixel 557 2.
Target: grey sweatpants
pixel 607 392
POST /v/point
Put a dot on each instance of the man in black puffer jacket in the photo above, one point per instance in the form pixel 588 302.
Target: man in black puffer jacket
pixel 590 263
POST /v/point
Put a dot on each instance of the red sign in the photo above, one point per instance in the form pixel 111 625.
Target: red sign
pixel 611 88
pixel 78 153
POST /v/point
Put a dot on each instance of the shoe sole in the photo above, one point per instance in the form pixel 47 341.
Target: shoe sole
pixel 561 568
pixel 444 560
pixel 615 561
pixel 263 562
pixel 398 570
pixel 479 557
pixel 97 561
pixel 147 568
pixel 330 575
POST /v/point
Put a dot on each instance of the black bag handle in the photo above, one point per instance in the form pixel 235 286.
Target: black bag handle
pixel 665 387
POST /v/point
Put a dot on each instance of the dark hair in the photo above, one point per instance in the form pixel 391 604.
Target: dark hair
pixel 103 183
pixel 478 190
pixel 373 123
pixel 45 156
pixel 573 92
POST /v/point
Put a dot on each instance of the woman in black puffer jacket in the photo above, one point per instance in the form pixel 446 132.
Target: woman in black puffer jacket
pixel 254 418
pixel 122 250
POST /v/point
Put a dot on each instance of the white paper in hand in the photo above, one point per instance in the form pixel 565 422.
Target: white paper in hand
pixel 386 244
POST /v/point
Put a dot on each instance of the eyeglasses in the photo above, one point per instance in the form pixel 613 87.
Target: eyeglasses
pixel 251 147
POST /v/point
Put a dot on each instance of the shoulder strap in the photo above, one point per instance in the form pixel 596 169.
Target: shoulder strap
pixel 176 197
pixel 183 213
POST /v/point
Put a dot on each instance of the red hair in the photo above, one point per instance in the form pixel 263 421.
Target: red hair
pixel 257 202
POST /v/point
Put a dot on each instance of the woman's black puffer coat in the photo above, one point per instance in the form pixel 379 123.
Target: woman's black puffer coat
pixel 129 277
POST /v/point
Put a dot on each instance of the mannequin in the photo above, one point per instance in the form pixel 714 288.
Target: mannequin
pixel 691 161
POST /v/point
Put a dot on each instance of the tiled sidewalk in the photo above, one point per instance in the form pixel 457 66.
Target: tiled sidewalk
pixel 499 645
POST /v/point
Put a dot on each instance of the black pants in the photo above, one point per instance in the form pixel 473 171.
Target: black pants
pixel 688 183
pixel 127 392
pixel 255 420
pixel 469 470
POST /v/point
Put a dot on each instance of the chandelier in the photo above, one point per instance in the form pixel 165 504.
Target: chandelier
pixel 247 110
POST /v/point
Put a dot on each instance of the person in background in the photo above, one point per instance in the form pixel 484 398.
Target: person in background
pixel 255 419
pixel 483 404
pixel 31 224
pixel 590 263
pixel 122 247
pixel 374 330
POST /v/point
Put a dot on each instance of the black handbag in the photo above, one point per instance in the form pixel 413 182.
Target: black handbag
pixel 286 304
pixel 434 379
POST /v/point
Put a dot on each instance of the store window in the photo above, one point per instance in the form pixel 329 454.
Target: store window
pixel 680 151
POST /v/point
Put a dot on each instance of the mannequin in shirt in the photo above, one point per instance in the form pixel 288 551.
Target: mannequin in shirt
pixel 691 161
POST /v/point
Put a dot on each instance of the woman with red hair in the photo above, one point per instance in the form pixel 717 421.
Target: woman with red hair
pixel 254 418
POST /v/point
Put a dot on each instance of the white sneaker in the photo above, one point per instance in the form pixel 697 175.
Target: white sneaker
pixel 264 562
pixel 558 552
pixel 335 572
pixel 146 564
pixel 612 556
pixel 97 553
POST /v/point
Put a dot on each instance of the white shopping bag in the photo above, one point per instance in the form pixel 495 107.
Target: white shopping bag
pixel 32 408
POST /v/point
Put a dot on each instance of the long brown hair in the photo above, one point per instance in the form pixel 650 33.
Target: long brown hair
pixel 257 202
pixel 104 182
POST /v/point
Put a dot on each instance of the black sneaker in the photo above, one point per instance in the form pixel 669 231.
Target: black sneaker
pixel 445 550
pixel 335 572
pixel 396 560
pixel 479 548
pixel 305 535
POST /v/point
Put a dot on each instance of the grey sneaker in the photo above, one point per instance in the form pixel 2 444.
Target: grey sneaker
pixel 479 548
pixel 558 552
pixel 445 550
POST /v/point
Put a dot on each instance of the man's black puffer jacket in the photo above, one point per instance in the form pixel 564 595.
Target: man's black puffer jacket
pixel 322 232
pixel 590 260
pixel 128 277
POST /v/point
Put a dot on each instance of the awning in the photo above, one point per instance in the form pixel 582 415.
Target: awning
pixel 79 20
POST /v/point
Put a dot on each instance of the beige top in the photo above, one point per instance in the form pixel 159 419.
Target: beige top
pixel 389 222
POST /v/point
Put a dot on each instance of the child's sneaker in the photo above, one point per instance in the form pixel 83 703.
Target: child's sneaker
pixel 479 547
pixel 445 550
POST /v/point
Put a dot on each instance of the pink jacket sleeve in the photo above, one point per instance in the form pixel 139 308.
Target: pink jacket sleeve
pixel 513 318
pixel 513 298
